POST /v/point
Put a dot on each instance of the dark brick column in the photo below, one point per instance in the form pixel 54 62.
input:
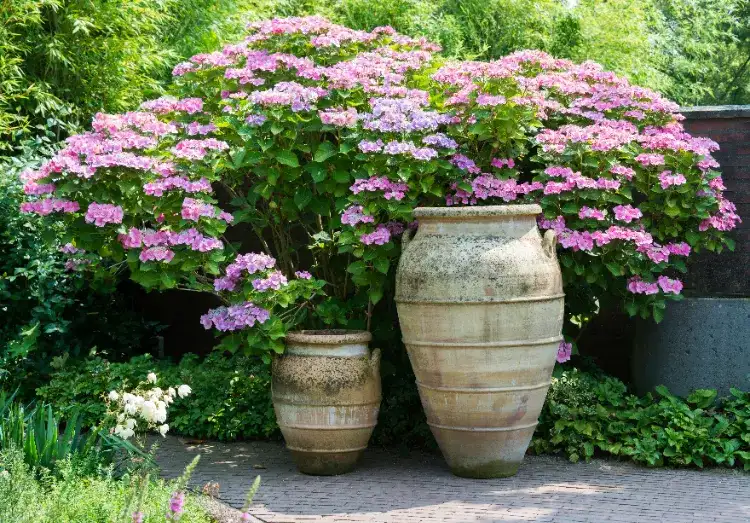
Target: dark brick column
pixel 726 274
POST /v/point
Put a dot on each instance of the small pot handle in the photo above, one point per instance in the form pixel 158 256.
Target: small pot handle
pixel 375 360
pixel 549 242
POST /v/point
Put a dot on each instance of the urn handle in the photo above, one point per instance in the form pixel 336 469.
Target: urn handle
pixel 549 242
pixel 406 238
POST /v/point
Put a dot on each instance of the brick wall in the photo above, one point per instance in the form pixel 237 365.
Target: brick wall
pixel 726 274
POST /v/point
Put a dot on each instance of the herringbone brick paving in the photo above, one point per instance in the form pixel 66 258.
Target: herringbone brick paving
pixel 418 488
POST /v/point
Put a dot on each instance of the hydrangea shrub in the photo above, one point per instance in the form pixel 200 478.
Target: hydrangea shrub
pixel 319 141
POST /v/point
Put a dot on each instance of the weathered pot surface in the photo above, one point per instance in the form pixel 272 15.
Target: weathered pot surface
pixel 480 303
pixel 326 394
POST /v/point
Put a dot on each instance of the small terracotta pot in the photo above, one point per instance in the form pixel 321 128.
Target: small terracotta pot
pixel 326 394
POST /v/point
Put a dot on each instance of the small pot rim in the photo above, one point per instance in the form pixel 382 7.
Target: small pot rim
pixel 524 209
pixel 329 336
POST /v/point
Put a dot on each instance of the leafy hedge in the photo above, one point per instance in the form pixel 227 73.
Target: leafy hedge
pixel 585 415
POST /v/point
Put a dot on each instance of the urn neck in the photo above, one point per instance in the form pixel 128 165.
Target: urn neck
pixel 333 343
pixel 512 221
pixel 501 226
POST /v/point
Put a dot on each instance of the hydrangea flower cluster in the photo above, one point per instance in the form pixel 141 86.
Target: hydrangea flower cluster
pixel 252 288
pixel 235 317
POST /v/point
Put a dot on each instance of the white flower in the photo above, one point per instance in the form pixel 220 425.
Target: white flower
pixel 168 399
pixel 130 408
pixel 161 411
pixel 184 390
pixel 113 396
pixel 128 398
pixel 148 411
pixel 130 423
pixel 172 393
pixel 155 392
pixel 163 429
pixel 151 377
pixel 123 432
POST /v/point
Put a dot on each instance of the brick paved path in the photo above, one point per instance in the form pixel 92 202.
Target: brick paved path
pixel 392 488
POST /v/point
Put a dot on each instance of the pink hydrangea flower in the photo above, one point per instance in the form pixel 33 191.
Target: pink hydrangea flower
pixel 274 281
pixel 594 214
pixel 576 240
pixel 303 275
pixel 667 179
pixel 391 190
pixel 49 205
pixel 36 189
pixel 637 286
pixel 647 159
pixel 235 317
pixel 339 117
pixel 193 209
pixel 557 171
pixel 627 213
pixel 557 224
pixel 161 254
pixel 499 163
pixel 621 170
pixel 678 249
pixel 669 286
pixel 354 215
pixel 564 351
pixel 100 214
pixel 380 236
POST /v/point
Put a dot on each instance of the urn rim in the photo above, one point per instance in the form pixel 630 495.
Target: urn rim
pixel 489 211
pixel 329 336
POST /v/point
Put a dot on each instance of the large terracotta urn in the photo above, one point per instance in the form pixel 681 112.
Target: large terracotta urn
pixel 326 394
pixel 480 303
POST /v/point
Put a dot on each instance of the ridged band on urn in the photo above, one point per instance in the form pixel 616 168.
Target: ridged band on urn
pixel 326 394
pixel 480 304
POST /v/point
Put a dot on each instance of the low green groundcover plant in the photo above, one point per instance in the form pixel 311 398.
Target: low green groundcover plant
pixel 586 414
pixel 73 494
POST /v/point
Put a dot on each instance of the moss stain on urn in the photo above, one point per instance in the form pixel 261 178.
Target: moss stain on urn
pixel 326 374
